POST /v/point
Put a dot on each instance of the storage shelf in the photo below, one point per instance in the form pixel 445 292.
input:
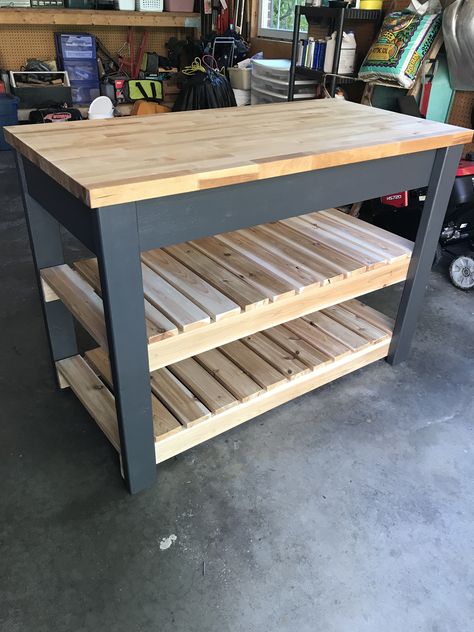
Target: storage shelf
pixel 198 398
pixel 319 75
pixel 210 292
pixel 318 13
pixel 83 17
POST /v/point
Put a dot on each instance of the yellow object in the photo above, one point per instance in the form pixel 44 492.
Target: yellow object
pixel 371 5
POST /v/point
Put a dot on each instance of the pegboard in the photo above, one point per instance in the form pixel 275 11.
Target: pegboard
pixel 20 42
pixel 461 112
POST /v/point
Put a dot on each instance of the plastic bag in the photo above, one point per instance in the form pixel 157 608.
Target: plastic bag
pixel 400 48
pixel 204 88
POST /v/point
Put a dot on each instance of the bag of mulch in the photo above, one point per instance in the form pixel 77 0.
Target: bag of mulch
pixel 400 48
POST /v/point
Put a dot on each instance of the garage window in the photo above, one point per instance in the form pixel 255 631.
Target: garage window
pixel 276 18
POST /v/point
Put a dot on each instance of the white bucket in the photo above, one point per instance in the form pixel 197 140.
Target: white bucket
pixel 101 108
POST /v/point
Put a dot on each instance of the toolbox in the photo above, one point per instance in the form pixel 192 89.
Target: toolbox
pixel 34 91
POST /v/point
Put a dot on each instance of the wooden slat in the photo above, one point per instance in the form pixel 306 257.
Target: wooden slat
pixel 79 17
pixel 95 397
pixel 273 287
pixel 156 156
pixel 355 323
pixel 370 315
pixel 311 247
pixel 218 424
pixel 177 398
pixel 209 391
pixel 318 338
pixel 158 326
pixel 253 365
pixel 369 229
pixel 177 307
pixel 277 237
pixel 210 300
pixel 244 295
pixel 376 247
pixel 333 328
pixel 213 335
pixel 337 243
pixel 80 299
pixel 275 355
pixel 164 423
pixel 297 277
pixel 296 345
pixel 229 375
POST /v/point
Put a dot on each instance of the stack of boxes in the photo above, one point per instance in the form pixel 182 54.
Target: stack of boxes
pixel 77 55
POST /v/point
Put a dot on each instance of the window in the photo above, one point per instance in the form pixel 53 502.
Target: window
pixel 276 18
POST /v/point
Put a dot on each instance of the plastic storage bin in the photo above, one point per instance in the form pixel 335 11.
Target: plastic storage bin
pixel 8 116
pixel 149 5
pixel 186 6
pixel 257 97
pixel 273 69
pixel 305 88
pixel 84 93
pixel 82 71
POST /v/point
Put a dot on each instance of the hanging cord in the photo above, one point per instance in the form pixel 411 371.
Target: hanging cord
pixel 195 67
pixel 210 62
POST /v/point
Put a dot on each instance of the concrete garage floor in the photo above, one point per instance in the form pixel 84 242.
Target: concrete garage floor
pixel 348 510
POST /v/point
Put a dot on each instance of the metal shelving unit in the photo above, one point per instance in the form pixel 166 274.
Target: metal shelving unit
pixel 336 17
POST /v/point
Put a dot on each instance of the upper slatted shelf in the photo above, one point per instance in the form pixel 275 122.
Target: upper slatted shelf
pixel 212 291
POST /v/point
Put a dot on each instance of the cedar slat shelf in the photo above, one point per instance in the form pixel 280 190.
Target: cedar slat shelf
pixel 83 17
pixel 240 322
pixel 201 397
pixel 210 292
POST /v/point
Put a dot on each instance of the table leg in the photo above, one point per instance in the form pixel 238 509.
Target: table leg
pixel 434 210
pixel 47 249
pixel 118 255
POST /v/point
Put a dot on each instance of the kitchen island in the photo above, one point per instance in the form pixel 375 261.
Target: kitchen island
pixel 222 281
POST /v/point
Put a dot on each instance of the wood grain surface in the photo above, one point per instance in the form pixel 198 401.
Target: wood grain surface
pixel 204 294
pixel 197 398
pixel 136 158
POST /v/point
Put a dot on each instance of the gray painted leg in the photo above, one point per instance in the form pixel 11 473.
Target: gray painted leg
pixel 47 250
pixel 118 255
pixel 439 191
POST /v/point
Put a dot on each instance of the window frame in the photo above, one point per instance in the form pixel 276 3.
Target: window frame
pixel 263 31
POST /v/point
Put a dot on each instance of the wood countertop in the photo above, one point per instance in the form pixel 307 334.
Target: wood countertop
pixel 137 158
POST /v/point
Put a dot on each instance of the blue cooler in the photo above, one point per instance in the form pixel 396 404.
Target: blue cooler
pixel 8 116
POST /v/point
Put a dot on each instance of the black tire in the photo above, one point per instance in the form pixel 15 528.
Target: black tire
pixel 438 254
pixel 461 272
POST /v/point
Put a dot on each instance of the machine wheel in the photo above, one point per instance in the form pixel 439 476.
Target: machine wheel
pixel 461 272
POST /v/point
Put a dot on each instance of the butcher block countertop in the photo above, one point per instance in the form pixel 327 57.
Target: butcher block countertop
pixel 137 158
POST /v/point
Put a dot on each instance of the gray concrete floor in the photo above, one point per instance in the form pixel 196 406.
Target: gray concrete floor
pixel 350 509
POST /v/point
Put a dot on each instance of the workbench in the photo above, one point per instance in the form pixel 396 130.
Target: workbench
pixel 223 281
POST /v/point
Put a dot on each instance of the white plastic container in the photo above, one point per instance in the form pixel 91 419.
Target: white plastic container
pixel 242 97
pixel 125 5
pixel 281 87
pixel 348 54
pixel 101 108
pixel 149 5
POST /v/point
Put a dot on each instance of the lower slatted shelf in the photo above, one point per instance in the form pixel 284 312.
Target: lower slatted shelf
pixel 213 291
pixel 199 397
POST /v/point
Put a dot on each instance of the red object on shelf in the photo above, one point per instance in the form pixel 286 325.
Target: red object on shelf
pixel 466 168
pixel 399 200
pixel 2 88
